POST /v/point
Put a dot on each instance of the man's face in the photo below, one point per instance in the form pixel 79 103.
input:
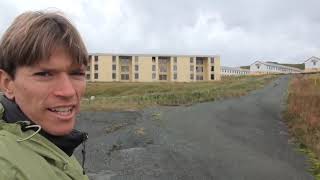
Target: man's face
pixel 49 93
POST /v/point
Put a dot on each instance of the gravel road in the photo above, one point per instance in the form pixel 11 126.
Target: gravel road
pixel 234 139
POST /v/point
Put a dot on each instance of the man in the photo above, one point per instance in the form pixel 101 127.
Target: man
pixel 42 75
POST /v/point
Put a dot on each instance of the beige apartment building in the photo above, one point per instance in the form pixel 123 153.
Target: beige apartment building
pixel 152 68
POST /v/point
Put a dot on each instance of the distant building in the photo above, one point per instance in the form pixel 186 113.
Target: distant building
pixel 312 64
pixel 231 71
pixel 260 67
pixel 152 68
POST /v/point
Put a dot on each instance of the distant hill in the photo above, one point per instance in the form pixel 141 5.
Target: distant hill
pixel 245 67
pixel 299 66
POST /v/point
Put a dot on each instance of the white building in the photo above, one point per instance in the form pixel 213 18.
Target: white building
pixel 260 67
pixel 231 71
pixel 312 64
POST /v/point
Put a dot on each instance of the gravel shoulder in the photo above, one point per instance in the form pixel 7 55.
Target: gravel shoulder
pixel 238 138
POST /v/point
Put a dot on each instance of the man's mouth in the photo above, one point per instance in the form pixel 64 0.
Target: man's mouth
pixel 63 111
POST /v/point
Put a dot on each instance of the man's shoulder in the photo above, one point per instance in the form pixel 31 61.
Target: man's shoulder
pixel 16 159
pixel 9 147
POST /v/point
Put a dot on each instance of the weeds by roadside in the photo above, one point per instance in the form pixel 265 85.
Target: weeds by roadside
pixel 303 116
pixel 132 96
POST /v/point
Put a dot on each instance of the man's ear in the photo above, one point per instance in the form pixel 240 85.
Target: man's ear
pixel 6 84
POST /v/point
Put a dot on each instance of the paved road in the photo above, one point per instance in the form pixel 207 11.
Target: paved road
pixel 235 139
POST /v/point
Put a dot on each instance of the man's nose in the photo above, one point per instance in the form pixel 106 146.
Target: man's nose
pixel 65 87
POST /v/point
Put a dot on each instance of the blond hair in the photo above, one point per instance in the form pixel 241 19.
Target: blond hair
pixel 33 36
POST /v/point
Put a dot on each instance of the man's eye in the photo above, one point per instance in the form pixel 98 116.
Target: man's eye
pixel 78 73
pixel 44 74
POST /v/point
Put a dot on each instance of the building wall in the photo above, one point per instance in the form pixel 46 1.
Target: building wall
pixel 229 71
pixel 310 66
pixel 271 68
pixel 255 69
pixel 145 69
pixel 217 68
pixel 183 64
pixel 105 68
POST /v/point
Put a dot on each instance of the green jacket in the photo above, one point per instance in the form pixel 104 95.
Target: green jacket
pixel 35 158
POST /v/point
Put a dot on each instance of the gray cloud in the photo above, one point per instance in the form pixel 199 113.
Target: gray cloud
pixel 239 31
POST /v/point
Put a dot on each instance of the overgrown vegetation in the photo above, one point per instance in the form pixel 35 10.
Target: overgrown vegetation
pixel 303 116
pixel 132 96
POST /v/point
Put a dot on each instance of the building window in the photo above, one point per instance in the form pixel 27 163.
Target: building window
pixel 114 76
pixel 136 67
pixel 192 68
pixel 114 59
pixel 90 57
pixel 199 69
pixel 96 58
pixel 88 76
pixel 114 67
pixel 199 61
pixel 191 60
pixel 314 63
pixel 153 67
pixel 124 69
pixel 96 76
pixel 96 67
pixel 200 77
pixel 153 75
pixel 153 59
pixel 124 76
pixel 136 59
pixel 163 77
pixel 212 76
pixel 192 76
pixel 175 68
pixel 175 76
pixel 212 60
pixel 88 68
pixel 136 76
pixel 174 59
pixel 212 68
pixel 163 65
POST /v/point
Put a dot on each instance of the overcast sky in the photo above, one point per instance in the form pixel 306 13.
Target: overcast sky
pixel 240 31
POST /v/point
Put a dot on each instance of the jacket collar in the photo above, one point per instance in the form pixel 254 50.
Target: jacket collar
pixel 68 143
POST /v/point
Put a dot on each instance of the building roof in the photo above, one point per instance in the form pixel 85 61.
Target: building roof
pixel 133 54
pixel 278 65
pixel 312 58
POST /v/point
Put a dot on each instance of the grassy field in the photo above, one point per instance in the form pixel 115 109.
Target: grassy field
pixel 303 116
pixel 132 96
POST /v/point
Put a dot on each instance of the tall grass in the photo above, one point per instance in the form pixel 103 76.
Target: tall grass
pixel 303 115
pixel 124 96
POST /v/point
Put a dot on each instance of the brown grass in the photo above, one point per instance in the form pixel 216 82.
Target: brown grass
pixel 132 96
pixel 303 115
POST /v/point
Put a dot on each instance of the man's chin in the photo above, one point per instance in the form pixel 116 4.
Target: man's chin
pixel 59 132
